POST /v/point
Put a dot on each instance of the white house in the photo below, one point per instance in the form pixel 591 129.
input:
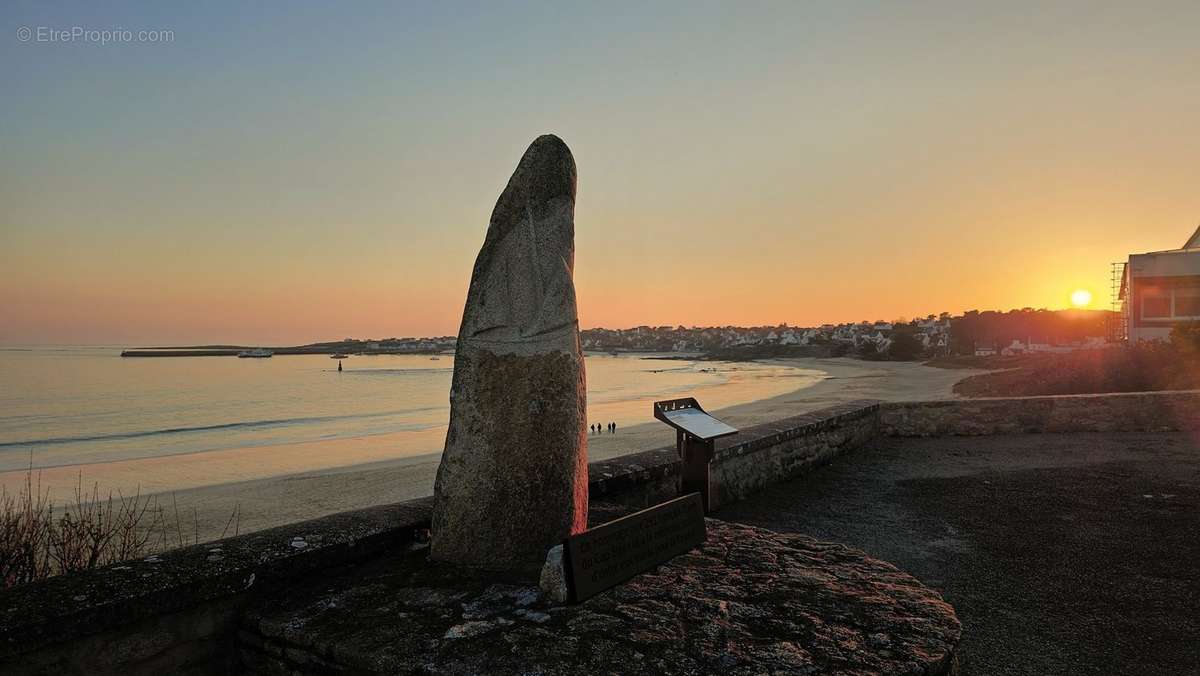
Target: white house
pixel 1161 290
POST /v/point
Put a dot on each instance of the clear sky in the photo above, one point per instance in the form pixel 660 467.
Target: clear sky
pixel 287 172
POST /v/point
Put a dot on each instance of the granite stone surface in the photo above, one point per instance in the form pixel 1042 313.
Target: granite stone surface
pixel 748 601
pixel 513 477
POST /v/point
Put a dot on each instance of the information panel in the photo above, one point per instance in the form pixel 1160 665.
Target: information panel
pixel 611 553
pixel 698 423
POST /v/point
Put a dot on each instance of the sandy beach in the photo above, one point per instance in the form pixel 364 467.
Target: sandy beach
pixel 270 502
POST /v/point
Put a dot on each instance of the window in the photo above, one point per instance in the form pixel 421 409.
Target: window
pixel 1156 305
pixel 1187 303
pixel 1167 304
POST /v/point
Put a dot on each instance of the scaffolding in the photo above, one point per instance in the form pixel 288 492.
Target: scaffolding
pixel 1118 319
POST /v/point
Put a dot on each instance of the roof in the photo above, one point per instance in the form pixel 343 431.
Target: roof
pixel 1193 241
pixel 1176 262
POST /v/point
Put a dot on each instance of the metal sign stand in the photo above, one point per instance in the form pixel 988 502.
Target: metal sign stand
pixel 696 433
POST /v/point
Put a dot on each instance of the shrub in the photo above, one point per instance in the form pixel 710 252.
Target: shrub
pixel 868 350
pixel 1141 367
pixel 904 347
pixel 1185 338
pixel 37 541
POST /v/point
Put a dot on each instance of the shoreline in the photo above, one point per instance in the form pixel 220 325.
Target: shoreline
pixel 268 502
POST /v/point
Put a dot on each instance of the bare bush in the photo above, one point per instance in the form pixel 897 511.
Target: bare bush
pixel 96 532
pixel 37 542
pixel 25 524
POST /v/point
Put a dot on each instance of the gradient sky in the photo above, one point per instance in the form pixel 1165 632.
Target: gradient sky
pixel 287 172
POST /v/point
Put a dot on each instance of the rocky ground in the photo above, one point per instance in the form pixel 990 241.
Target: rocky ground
pixel 747 602
pixel 1062 554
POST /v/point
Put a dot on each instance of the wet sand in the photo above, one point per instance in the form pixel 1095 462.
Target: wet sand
pixel 264 503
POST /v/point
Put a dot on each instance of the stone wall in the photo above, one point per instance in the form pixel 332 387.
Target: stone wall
pixel 744 463
pixel 178 612
pixel 639 480
pixel 784 449
pixel 1123 412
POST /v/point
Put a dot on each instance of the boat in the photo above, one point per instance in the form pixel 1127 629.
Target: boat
pixel 339 355
pixel 256 353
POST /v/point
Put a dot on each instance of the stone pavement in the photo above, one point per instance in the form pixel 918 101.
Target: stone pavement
pixel 1061 553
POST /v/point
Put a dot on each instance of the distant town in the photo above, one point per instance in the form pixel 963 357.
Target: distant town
pixel 972 333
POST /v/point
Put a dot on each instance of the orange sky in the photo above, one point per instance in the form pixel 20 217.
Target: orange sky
pixel 798 164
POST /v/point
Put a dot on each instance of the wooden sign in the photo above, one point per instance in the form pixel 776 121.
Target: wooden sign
pixel 611 553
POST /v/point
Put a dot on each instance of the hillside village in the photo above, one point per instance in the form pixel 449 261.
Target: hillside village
pixel 972 333
pixel 931 333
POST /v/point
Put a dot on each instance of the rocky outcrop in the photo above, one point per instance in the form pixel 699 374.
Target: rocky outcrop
pixel 513 477
pixel 747 601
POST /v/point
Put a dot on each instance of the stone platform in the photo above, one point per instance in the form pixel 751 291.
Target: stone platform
pixel 748 601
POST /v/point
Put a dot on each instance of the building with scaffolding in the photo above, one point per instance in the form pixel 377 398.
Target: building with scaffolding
pixel 1156 291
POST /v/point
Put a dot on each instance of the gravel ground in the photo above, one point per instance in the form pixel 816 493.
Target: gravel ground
pixel 1062 554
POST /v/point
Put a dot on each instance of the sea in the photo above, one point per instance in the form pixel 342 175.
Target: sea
pixel 167 423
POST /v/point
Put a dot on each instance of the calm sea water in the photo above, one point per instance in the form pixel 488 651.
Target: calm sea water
pixel 80 406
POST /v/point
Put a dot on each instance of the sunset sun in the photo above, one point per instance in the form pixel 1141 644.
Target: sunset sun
pixel 1081 298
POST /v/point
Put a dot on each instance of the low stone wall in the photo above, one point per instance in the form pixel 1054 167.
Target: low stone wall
pixel 178 612
pixel 784 449
pixel 1123 412
pixel 639 480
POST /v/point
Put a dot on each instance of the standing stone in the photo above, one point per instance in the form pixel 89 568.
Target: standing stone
pixel 513 478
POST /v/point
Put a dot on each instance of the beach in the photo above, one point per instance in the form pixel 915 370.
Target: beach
pixel 274 501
